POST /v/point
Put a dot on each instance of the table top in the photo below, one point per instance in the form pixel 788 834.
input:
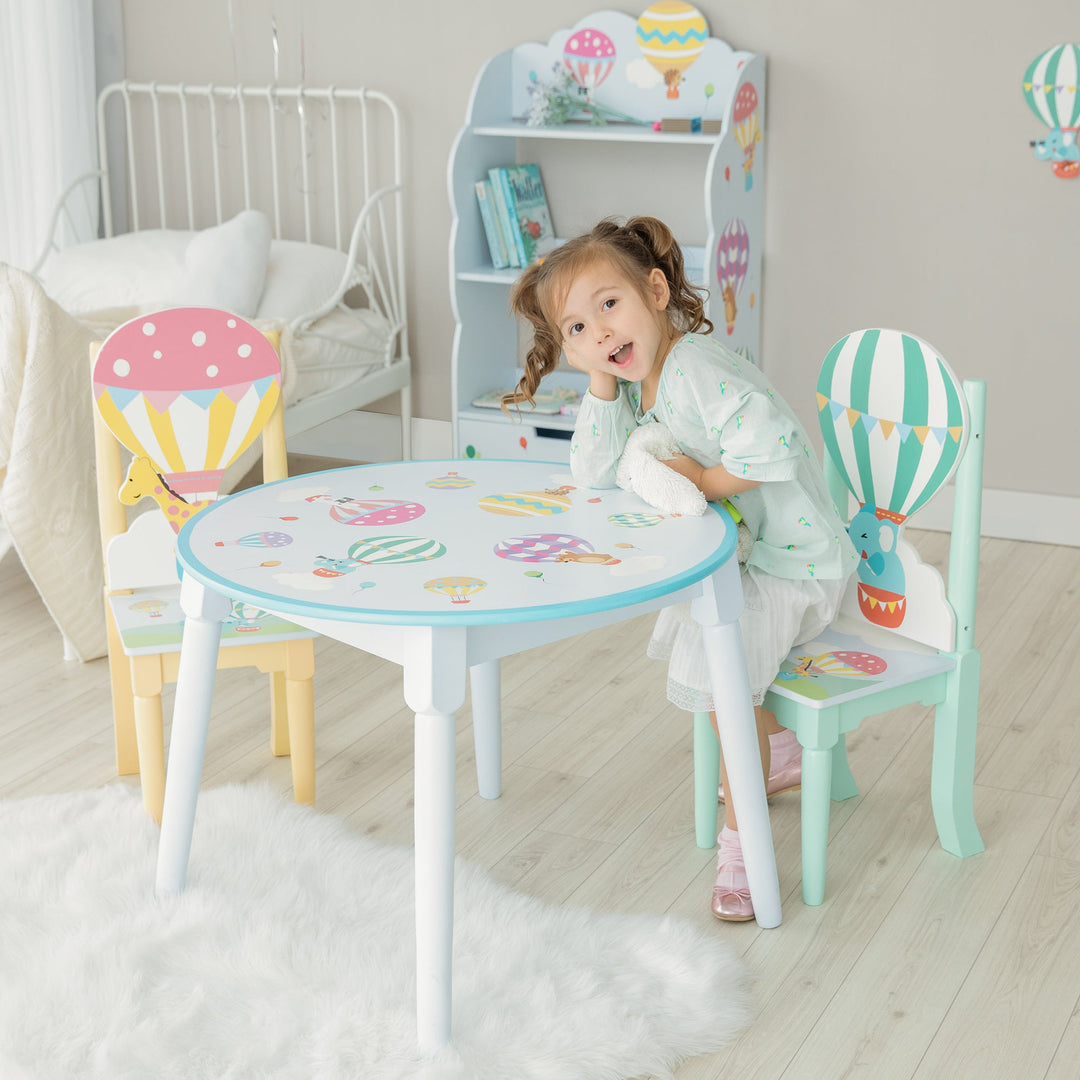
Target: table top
pixel 448 542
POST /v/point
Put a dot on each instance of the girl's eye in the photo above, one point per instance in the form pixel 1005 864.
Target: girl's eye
pixel 575 329
pixel 609 303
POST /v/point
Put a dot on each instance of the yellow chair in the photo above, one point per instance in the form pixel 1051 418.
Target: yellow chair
pixel 214 416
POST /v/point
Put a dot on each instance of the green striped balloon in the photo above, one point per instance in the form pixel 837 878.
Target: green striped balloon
pixel 893 417
pixel 1050 85
pixel 396 549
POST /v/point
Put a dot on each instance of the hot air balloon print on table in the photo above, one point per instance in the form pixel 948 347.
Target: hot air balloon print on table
pixel 747 130
pixel 894 420
pixel 551 547
pixel 672 35
pixel 589 55
pixel 732 259
pixel 1050 89
pixel 349 511
pixel 188 388
pixel 528 503
pixel 458 587
pixel 259 540
pixel 384 550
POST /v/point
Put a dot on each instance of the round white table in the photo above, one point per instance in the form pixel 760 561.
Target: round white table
pixel 445 567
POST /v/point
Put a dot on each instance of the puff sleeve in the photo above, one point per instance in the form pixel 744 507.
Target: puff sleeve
pixel 751 436
pixel 600 435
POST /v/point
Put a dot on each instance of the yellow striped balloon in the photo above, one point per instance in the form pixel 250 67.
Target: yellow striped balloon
pixel 672 36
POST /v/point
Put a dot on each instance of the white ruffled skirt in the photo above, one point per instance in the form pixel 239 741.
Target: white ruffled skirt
pixel 778 614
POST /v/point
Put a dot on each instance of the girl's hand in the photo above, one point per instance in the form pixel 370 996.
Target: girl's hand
pixel 714 483
pixel 688 467
pixel 602 384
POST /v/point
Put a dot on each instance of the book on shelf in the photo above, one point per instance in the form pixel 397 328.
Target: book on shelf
pixel 492 229
pixel 530 213
pixel 546 402
pixel 499 191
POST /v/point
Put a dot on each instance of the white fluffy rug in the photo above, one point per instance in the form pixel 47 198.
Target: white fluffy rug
pixel 291 953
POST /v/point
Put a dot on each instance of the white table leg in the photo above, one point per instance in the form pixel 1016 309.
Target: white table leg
pixel 718 610
pixel 486 687
pixel 434 690
pixel 203 613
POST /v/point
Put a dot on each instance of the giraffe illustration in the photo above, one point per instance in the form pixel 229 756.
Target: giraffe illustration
pixel 143 479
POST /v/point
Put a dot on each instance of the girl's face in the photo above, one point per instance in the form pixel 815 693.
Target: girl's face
pixel 606 324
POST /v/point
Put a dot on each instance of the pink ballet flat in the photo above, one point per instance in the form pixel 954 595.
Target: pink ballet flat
pixel 785 773
pixel 731 893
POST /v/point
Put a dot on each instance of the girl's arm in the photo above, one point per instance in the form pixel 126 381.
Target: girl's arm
pixel 600 434
pixel 715 482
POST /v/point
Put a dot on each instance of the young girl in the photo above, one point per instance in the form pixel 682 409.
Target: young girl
pixel 617 301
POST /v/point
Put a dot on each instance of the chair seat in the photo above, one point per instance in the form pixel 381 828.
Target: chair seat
pixel 151 621
pixel 837 668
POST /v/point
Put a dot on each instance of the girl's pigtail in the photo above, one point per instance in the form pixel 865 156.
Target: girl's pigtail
pixel 543 357
pixel 687 303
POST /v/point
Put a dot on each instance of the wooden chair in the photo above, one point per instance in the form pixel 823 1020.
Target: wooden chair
pixel 896 425
pixel 221 390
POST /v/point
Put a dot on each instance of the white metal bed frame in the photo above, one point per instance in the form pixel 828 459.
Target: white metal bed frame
pixel 221 126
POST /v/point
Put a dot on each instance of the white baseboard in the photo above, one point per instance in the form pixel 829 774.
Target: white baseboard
pixel 1011 515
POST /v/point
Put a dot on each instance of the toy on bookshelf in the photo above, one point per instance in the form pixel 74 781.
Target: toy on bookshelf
pixel 492 228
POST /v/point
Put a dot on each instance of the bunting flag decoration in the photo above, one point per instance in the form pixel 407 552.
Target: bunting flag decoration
pixel 877 389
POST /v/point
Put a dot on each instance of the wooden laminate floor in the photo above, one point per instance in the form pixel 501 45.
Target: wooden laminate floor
pixel 918 964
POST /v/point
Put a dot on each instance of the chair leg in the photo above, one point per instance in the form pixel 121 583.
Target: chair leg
pixel 953 771
pixel 706 780
pixel 300 696
pixel 120 676
pixel 843 783
pixel 146 681
pixel 279 715
pixel 816 787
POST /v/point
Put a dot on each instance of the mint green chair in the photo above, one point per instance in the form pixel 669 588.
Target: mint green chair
pixel 897 424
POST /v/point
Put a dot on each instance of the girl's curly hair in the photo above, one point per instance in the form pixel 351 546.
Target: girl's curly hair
pixel 636 248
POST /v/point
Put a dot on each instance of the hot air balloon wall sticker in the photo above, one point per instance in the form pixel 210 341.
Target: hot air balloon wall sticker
pixel 1050 89
pixel 894 420
pixel 186 391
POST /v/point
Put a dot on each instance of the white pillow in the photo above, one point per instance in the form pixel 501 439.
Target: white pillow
pixel 299 278
pixel 139 269
pixel 225 266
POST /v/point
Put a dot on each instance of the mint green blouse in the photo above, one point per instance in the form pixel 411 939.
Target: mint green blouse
pixel 722 411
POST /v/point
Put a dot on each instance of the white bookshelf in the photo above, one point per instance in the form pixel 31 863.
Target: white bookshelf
pixel 486 345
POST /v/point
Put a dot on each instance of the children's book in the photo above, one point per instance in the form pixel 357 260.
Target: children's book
pixel 513 231
pixel 531 212
pixel 499 189
pixel 492 229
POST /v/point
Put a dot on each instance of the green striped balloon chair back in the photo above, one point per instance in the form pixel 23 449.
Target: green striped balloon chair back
pixel 894 419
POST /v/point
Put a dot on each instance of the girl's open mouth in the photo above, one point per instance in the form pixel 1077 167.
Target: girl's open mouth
pixel 622 355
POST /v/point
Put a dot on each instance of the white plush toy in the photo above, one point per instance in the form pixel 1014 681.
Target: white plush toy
pixel 642 471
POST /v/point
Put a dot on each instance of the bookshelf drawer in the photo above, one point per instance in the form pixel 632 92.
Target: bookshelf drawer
pixel 505 439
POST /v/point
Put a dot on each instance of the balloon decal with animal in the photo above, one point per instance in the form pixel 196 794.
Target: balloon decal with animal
pixel 732 260
pixel 1050 89
pixel 672 35
pixel 747 129
pixel 189 390
pixel 894 442
pixel 589 55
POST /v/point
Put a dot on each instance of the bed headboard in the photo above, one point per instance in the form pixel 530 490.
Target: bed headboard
pixel 185 157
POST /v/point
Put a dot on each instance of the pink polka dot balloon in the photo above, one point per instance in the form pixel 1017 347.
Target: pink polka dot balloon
pixel 189 388
pixel 590 56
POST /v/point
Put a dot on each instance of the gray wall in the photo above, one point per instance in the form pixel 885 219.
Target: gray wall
pixel 901 189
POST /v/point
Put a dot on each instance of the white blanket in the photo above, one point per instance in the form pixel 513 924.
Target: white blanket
pixel 48 493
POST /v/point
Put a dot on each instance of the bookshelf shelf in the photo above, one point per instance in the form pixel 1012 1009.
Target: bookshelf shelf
pixel 486 343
